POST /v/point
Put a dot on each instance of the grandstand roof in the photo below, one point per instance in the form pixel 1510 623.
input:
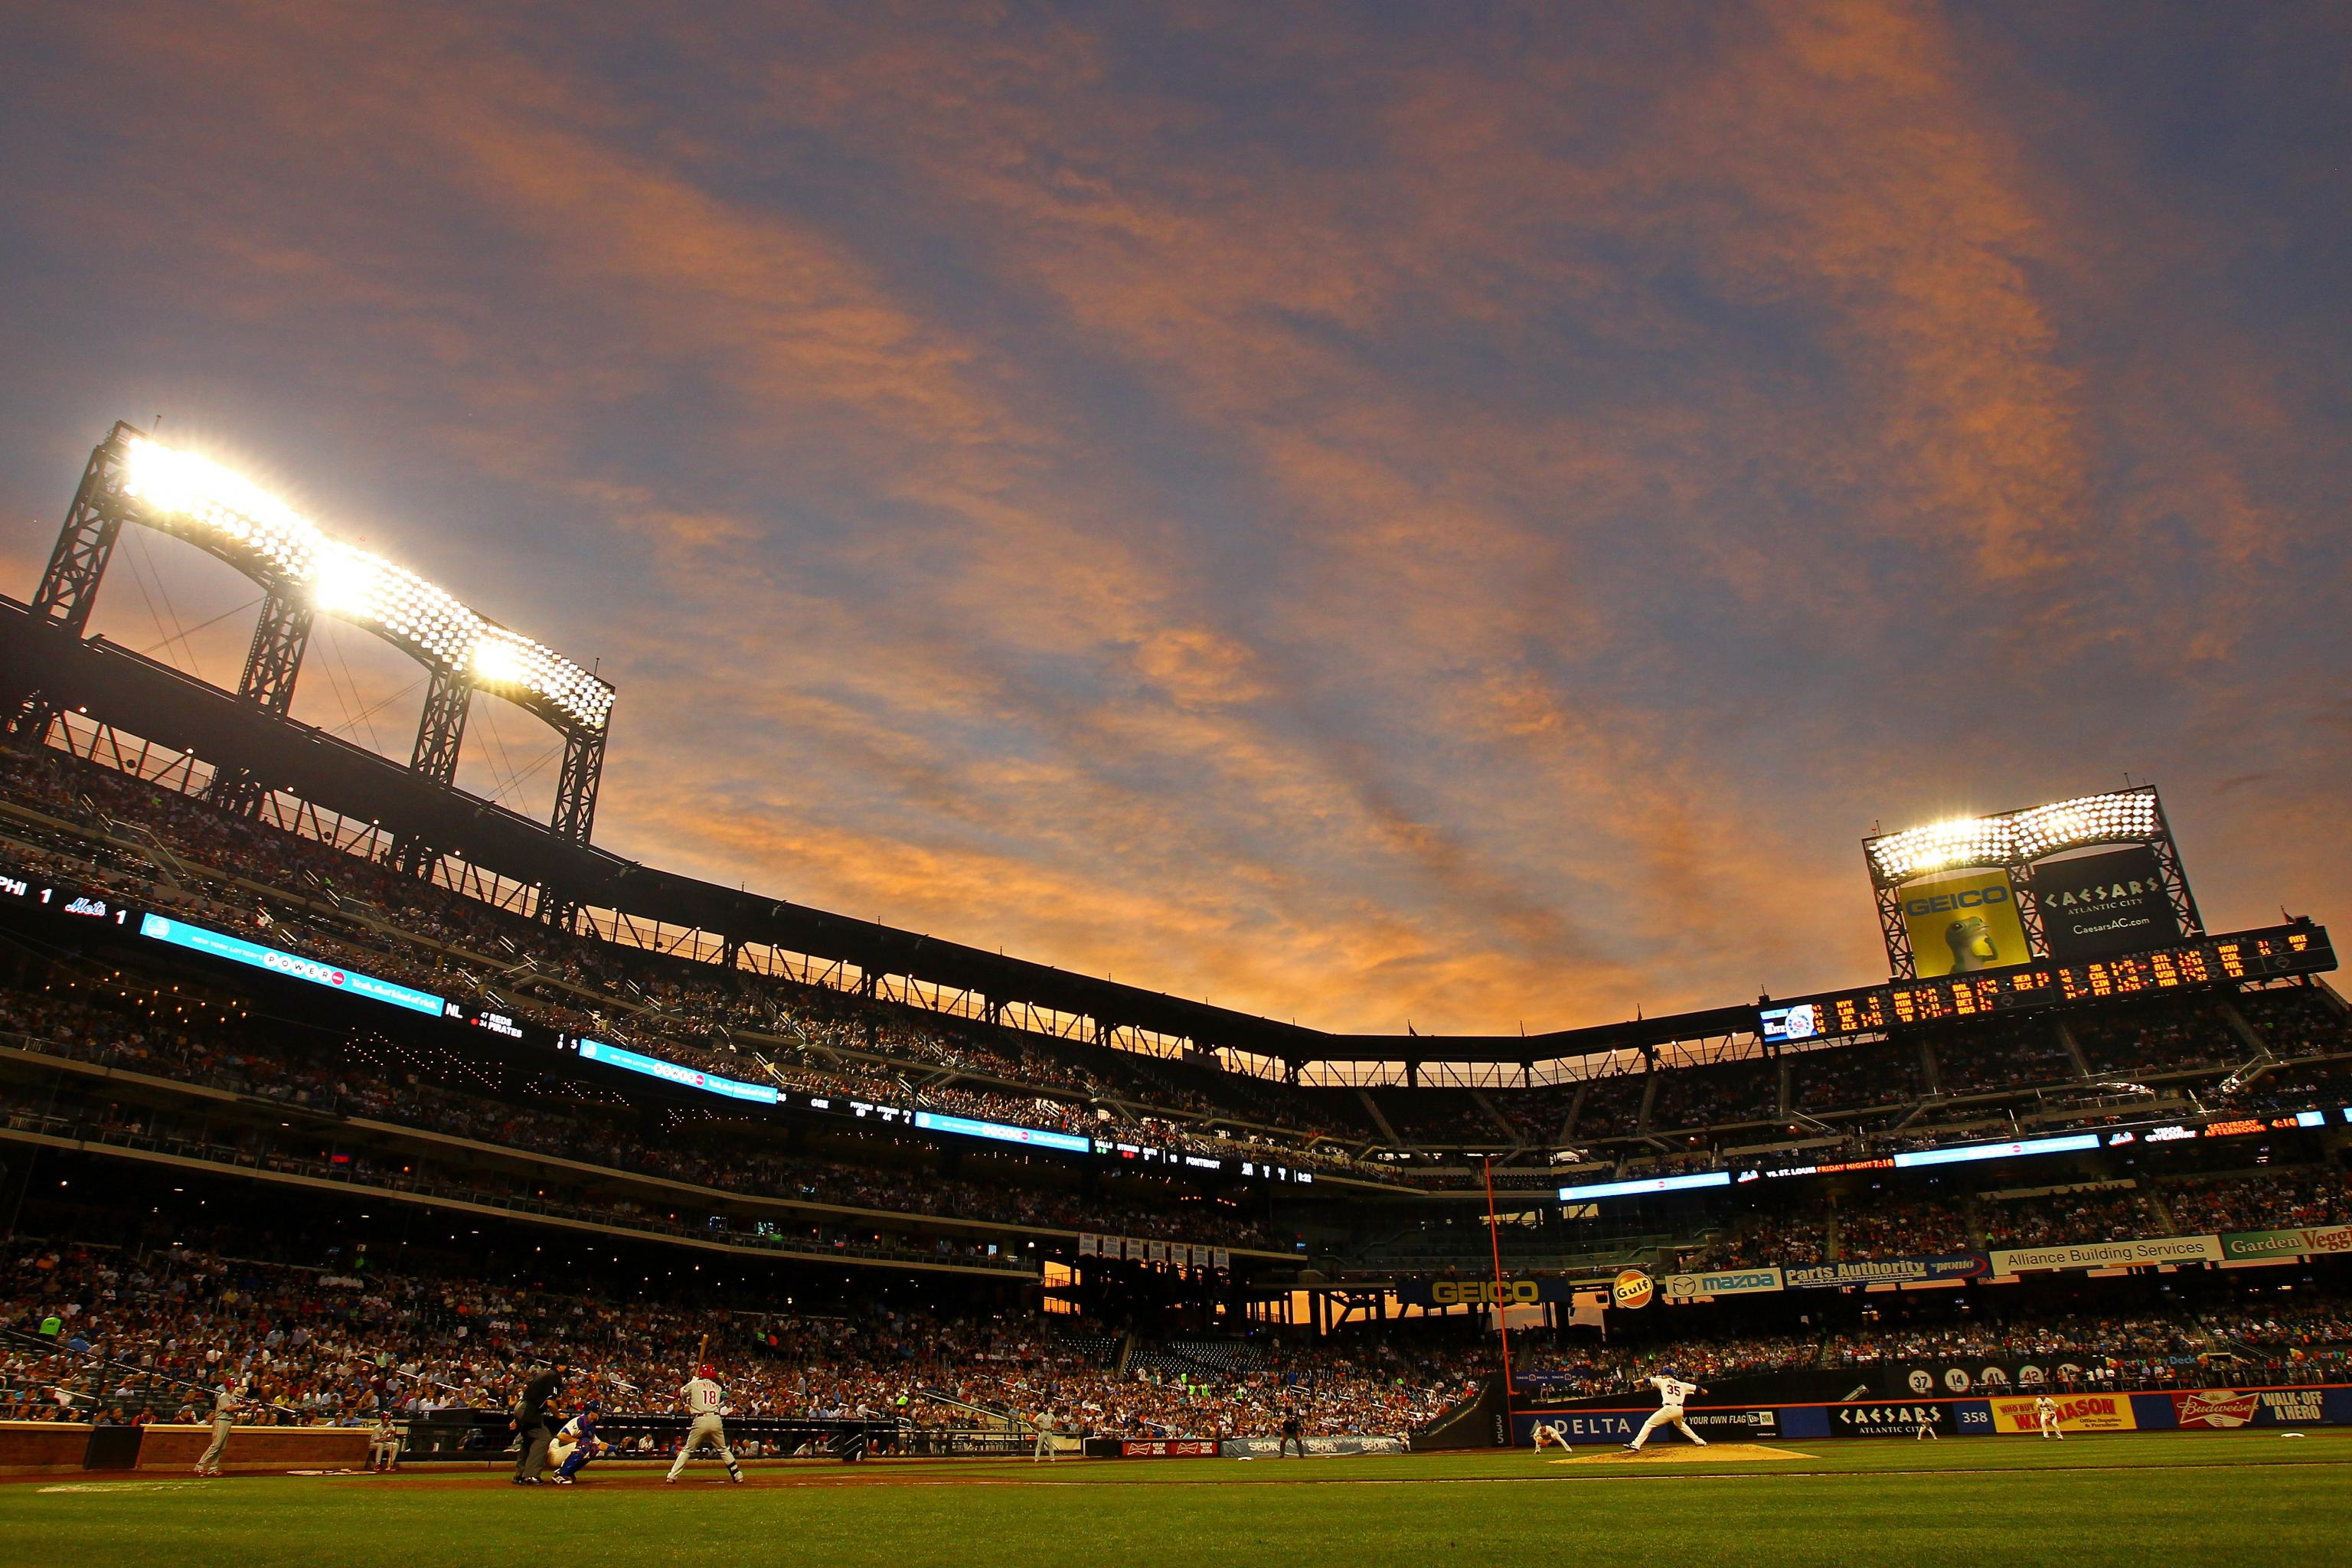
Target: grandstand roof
pixel 149 699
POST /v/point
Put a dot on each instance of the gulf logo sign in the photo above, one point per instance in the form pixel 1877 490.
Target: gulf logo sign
pixel 1630 1289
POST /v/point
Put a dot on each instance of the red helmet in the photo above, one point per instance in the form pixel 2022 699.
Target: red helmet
pixel 706 1370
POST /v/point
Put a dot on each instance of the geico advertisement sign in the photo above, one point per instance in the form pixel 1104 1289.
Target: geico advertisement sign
pixel 1485 1292
pixel 2076 1413
pixel 1963 925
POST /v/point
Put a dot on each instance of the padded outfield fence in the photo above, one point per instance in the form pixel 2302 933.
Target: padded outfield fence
pixel 2009 1411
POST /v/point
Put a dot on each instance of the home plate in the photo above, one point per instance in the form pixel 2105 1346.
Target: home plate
pixel 1684 1454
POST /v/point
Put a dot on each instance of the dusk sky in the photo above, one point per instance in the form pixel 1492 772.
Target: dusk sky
pixel 1455 514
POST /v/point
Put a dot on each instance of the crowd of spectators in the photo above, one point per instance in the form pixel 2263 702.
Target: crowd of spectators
pixel 104 1335
pixel 1881 1224
pixel 2302 1341
pixel 1580 1369
pixel 2162 1037
pixel 2267 1200
pixel 372 1075
pixel 2093 1213
pixel 1995 1057
pixel 145 841
pixel 1729 1094
pixel 697 1013
pixel 1858 1077
pixel 1612 1108
pixel 1789 1239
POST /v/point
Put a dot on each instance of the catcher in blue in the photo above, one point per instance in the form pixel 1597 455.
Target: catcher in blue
pixel 576 1444
pixel 1672 1392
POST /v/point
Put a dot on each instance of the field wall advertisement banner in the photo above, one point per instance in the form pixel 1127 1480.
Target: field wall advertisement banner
pixel 2311 1241
pixel 2076 1413
pixel 1963 924
pixel 2221 1409
pixel 1887 1271
pixel 1267 1447
pixel 2101 905
pixel 1988 1412
pixel 1511 1292
pixel 1726 1282
pixel 2140 1254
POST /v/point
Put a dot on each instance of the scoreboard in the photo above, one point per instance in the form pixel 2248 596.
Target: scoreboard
pixel 2301 948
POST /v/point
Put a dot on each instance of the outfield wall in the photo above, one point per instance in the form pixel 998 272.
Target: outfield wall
pixel 1996 1415
pixel 58 1446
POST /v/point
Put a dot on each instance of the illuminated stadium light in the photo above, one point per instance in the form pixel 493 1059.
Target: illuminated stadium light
pixel 229 512
pixel 2091 819
pixel 2016 837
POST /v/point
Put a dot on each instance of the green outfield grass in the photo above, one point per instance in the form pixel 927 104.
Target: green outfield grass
pixel 2245 1496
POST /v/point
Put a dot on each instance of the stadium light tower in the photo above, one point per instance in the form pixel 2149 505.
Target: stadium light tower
pixel 2020 844
pixel 304 573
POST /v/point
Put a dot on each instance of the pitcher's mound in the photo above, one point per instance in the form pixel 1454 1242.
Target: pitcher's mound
pixel 1684 1454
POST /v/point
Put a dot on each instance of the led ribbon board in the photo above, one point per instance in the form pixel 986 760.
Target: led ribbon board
pixel 1004 1132
pixel 2069 1143
pixel 237 950
pixel 1655 1184
pixel 672 1072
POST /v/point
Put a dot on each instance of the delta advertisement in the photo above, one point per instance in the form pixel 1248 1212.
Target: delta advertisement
pixel 2137 1254
pixel 1964 924
pixel 1887 1271
pixel 2101 905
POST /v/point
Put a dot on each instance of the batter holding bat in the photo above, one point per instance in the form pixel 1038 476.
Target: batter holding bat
pixel 703 1399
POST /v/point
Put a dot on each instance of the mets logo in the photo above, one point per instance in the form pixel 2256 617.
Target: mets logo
pixel 1630 1289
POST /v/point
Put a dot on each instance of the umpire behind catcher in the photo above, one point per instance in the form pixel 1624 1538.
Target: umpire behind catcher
pixel 529 1423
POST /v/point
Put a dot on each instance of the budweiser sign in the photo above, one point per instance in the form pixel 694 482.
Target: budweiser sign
pixel 2204 1409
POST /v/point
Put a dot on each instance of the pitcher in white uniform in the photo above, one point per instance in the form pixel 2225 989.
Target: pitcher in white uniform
pixel 1672 1392
pixel 703 1397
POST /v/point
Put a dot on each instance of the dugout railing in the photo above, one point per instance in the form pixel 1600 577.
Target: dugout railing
pixel 488 1438
pixel 40 1371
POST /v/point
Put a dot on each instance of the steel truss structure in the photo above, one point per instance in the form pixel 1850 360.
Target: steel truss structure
pixel 68 587
pixel 2022 843
pixel 104 502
